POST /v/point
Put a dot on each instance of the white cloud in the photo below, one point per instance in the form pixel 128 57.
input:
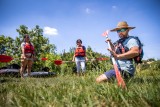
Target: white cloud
pixel 89 11
pixel 114 7
pixel 50 31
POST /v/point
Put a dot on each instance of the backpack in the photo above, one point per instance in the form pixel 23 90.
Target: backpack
pixel 120 48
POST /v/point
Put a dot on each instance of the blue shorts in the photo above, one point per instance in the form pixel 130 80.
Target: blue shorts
pixel 111 74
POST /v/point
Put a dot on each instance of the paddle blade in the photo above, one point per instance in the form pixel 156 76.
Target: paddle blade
pixel 119 78
pixel 44 59
pixel 105 33
pixel 5 58
pixel 58 62
pixel 102 59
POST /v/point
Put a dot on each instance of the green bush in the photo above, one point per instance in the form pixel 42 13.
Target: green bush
pixel 155 65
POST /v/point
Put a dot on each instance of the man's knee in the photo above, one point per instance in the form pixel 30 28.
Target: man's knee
pixel 101 78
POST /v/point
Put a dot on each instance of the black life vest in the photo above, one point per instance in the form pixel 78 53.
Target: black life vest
pixel 120 48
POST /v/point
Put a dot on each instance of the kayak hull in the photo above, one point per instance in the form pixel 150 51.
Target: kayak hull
pixel 16 73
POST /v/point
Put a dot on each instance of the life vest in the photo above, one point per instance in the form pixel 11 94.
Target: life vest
pixel 28 48
pixel 120 49
pixel 80 51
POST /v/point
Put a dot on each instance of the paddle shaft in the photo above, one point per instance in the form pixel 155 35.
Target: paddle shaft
pixel 96 59
pixel 118 75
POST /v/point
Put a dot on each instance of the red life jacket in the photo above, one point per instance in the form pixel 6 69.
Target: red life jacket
pixel 28 48
pixel 80 51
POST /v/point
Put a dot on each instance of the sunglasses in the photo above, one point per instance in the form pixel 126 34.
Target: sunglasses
pixel 122 30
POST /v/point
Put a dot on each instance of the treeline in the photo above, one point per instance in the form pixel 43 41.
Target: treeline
pixel 44 49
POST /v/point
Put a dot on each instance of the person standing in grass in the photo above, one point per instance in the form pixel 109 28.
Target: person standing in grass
pixel 123 50
pixel 27 56
pixel 80 57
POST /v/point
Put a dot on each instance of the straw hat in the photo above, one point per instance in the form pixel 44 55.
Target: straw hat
pixel 121 25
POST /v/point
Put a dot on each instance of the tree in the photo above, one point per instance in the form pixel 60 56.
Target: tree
pixel 2 43
pixel 41 43
pixel 6 45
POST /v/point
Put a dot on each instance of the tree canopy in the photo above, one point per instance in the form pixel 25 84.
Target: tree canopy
pixel 43 49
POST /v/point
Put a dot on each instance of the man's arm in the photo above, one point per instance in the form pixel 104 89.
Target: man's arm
pixel 133 52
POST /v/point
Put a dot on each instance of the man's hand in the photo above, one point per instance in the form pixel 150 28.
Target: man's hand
pixel 108 40
pixel 113 53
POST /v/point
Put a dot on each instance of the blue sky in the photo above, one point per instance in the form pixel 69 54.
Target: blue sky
pixel 65 21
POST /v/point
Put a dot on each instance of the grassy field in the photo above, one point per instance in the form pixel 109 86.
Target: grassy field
pixel 68 90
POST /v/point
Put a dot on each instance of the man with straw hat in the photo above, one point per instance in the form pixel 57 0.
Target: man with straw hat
pixel 123 50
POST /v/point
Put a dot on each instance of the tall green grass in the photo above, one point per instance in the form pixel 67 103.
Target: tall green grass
pixel 69 90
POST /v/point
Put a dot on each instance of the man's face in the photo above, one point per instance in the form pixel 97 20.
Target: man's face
pixel 123 32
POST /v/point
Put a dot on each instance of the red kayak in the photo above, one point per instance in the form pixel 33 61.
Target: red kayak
pixel 5 58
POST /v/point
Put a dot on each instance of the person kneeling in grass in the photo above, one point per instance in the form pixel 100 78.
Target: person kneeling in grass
pixel 124 51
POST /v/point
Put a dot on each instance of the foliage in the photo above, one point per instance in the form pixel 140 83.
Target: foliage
pixel 90 65
pixel 41 44
pixel 152 65
pixel 49 63
pixel 144 66
pixel 44 49
pixel 76 91
pixel 68 89
pixel 7 46
pixel 151 59
pixel 155 65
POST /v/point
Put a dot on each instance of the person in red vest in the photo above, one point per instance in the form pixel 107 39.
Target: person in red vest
pixel 80 57
pixel 27 56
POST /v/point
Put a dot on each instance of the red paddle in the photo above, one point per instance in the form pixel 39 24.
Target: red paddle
pixel 59 62
pixel 44 59
pixel 118 75
pixel 5 58
pixel 101 59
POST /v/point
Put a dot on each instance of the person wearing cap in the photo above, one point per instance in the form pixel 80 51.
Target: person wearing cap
pixel 80 57
pixel 124 62
pixel 27 56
